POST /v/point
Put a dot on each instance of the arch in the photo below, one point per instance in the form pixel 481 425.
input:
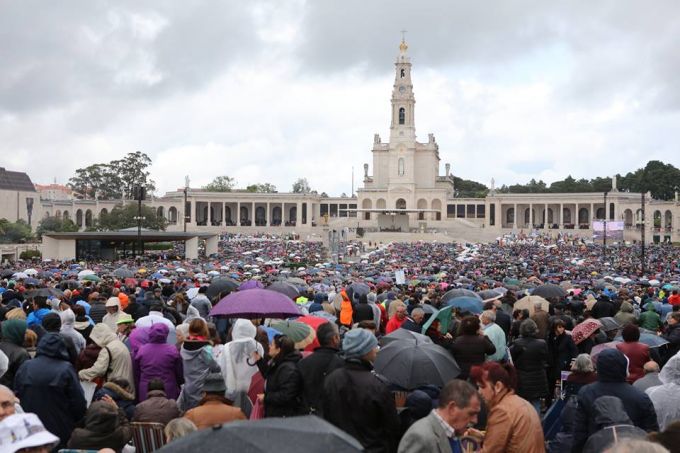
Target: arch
pixel 292 214
pixel 260 216
pixel 366 203
pixel 400 203
pixel 46 214
pixel 160 212
pixel 244 214
pixel 668 219
pixel 402 115
pixel 583 216
pixel 172 214
pixel 79 217
pixel 103 212
pixel 381 203
pixel 657 219
pixel 510 216
pixel 628 217
pixel 421 204
pixel 88 218
pixel 528 216
pixel 551 216
pixel 638 216
pixel 277 215
pixel 599 214
pixel 401 166
pixel 66 215
pixel 57 214
pixel 566 216
pixel 612 209
pixel 437 206
pixel 227 215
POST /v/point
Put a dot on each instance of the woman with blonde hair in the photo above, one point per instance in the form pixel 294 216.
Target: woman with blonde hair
pixel 177 428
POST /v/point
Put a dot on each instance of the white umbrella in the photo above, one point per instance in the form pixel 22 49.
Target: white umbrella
pixel 201 275
pixel 192 292
pixel 85 272
pixel 213 273
pixel 654 282
pixel 20 275
pixel 30 272
pixel 180 270
pixel 165 281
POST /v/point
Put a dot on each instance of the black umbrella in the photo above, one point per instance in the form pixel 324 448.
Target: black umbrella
pixel 123 273
pixel 609 324
pixel 458 292
pixel 283 435
pixel 411 365
pixel 404 335
pixel 7 273
pixel 46 292
pixel 221 287
pixel 288 289
pixel 549 291
pixel 356 290
pixel 490 294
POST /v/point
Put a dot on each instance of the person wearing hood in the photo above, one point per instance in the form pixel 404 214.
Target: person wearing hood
pixel 13 332
pixel 82 324
pixel 625 315
pixel 236 367
pixel 68 319
pixel 158 359
pixel 672 334
pixel 40 309
pixel 530 357
pixel 197 363
pixel 52 324
pixel 650 319
pixel 113 312
pixel 113 360
pixel 666 397
pixel 613 425
pixel 202 303
pixel 48 386
pixel 120 391
pixel 612 368
pixel 359 402
pixel 105 426
pixel 283 381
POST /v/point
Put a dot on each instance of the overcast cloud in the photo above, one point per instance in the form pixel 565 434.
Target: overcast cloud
pixel 269 91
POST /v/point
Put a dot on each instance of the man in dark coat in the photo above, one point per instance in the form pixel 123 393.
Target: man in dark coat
pixel 414 323
pixel 603 308
pixel 359 402
pixel 530 356
pixel 319 364
pixel 672 334
pixel 49 387
pixel 612 367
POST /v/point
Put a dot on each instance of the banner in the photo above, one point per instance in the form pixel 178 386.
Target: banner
pixel 614 230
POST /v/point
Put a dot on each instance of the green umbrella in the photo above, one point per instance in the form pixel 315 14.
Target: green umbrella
pixel 301 333
pixel 91 278
pixel 444 317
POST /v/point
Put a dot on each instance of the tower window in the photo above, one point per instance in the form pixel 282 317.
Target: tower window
pixel 403 73
pixel 401 166
pixel 402 115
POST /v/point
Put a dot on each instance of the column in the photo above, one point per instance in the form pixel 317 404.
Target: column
pixel 561 222
pixel 545 216
pixel 210 216
pixel 283 214
pixel 192 213
pixel 531 216
pixel 298 215
pixel 591 215
pixel 514 221
pixel 252 214
pixel 211 245
pixel 238 213
pixel 267 216
pixel 191 248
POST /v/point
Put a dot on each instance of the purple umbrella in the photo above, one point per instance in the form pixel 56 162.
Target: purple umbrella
pixel 250 284
pixel 255 303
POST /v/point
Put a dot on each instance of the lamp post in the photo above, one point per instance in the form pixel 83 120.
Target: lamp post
pixel 186 193
pixel 604 242
pixel 139 195
pixel 642 250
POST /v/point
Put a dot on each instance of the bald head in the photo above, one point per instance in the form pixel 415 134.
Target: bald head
pixel 7 400
pixel 651 367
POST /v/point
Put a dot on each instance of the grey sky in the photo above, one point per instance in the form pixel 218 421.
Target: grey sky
pixel 269 91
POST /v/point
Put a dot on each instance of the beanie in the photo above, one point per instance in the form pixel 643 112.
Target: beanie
pixel 358 342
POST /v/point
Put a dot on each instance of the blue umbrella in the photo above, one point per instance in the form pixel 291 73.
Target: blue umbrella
pixel 466 303
pixel 157 275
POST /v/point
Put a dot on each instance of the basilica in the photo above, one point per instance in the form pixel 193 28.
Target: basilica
pixel 404 191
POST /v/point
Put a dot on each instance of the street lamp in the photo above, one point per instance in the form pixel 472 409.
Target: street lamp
pixel 186 193
pixel 604 243
pixel 139 195
pixel 642 219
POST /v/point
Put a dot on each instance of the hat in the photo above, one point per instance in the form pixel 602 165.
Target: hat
pixel 214 383
pixel 358 342
pixel 124 318
pixel 21 431
pixel 113 302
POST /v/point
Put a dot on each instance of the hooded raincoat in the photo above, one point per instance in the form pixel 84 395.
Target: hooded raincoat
pixel 197 363
pixel 157 359
pixel 68 330
pixel 237 368
pixel 666 397
pixel 113 360
pixel 13 331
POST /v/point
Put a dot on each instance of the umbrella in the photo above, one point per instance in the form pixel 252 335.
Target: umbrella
pixel 46 292
pixel 314 322
pixel 601 347
pixel 6 273
pixel 527 303
pixel 221 286
pixel 609 324
pixel 180 270
pixel 90 278
pixel 404 335
pixel 411 365
pixel 550 291
pixel 285 435
pixel 459 292
pixel 192 292
pixel 31 281
pixel 250 284
pixel 85 272
pixel 650 339
pixel 490 294
pixel 466 303
pixel 585 329
pixel 301 333
pixel 255 303
pixel 444 318
pixel 356 290
pixel 31 272
pixel 20 276
pixel 123 273
pixel 284 288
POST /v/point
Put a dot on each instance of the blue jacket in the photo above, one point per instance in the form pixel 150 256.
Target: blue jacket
pixel 35 317
pixel 611 381
pixel 49 387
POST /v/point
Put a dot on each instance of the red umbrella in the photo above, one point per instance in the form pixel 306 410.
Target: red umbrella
pixel 130 281
pixel 314 322
pixel 601 347
pixel 582 331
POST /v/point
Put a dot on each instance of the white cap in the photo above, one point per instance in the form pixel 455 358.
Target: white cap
pixel 24 431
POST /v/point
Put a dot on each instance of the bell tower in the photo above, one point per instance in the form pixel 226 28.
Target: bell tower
pixel 402 128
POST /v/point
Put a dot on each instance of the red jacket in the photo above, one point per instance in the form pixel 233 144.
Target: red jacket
pixel 394 323
pixel 638 355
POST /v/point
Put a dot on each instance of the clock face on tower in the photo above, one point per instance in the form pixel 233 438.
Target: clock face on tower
pixel 402 89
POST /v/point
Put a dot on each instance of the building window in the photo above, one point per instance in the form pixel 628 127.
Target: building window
pixel 401 166
pixel 402 115
pixel 403 73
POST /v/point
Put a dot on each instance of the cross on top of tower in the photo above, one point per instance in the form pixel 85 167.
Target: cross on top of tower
pixel 403 46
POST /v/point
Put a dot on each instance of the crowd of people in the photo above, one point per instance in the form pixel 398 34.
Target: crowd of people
pixel 554 346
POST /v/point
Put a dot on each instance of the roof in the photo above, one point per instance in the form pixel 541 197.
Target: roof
pixel 15 180
pixel 147 236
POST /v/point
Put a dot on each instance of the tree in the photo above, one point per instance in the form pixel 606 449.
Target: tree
pixel 261 188
pixel 465 188
pixel 121 217
pixel 55 225
pixel 13 232
pixel 221 184
pixel 301 186
pixel 113 180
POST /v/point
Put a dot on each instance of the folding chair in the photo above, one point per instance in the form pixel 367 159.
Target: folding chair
pixel 147 437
